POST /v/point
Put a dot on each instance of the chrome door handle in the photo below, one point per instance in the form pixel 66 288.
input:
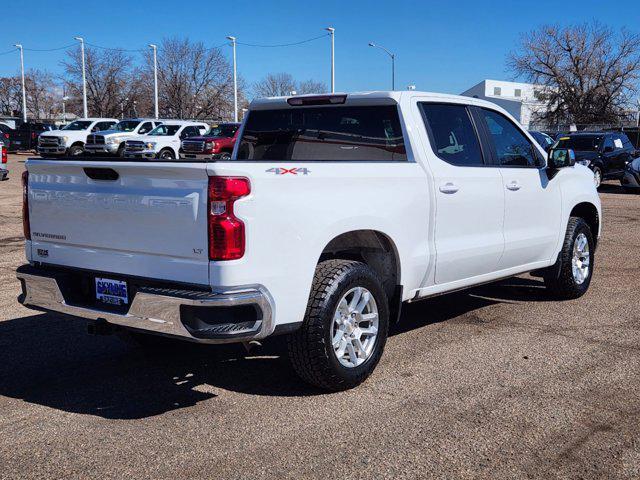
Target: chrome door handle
pixel 449 188
pixel 513 186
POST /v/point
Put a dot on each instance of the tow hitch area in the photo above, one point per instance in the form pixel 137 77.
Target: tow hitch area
pixel 101 327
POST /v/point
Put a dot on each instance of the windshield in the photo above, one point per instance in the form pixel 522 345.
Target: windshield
pixel 222 130
pixel 581 143
pixel 78 125
pixel 165 130
pixel 126 126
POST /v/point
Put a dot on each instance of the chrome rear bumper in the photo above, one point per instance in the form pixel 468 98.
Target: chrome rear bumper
pixel 159 310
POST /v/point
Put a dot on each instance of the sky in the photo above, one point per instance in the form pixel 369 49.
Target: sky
pixel 439 46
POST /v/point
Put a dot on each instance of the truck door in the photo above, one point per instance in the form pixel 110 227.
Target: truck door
pixel 532 202
pixel 469 196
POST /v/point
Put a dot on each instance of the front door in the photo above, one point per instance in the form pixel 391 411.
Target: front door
pixel 469 196
pixel 532 201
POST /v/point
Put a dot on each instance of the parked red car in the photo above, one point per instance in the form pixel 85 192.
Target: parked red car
pixel 216 144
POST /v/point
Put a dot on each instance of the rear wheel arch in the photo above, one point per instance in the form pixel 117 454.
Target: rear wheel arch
pixel 375 249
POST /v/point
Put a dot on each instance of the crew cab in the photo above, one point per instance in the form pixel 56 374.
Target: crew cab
pixel 216 144
pixel 25 137
pixel 332 212
pixel 112 142
pixel 605 153
pixel 163 142
pixel 71 139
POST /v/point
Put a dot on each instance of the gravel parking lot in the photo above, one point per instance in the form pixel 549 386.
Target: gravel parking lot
pixel 496 382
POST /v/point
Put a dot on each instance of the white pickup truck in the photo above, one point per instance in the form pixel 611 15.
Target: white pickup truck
pixel 112 142
pixel 163 142
pixel 332 211
pixel 71 139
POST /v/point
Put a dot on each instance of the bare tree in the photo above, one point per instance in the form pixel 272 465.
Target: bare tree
pixel 10 95
pixel 588 73
pixel 109 81
pixel 311 86
pixel 43 95
pixel 282 84
pixel 275 85
pixel 193 81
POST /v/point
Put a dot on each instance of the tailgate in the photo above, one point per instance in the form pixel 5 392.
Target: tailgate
pixel 141 218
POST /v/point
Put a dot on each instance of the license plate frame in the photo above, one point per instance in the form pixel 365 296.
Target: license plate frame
pixel 110 291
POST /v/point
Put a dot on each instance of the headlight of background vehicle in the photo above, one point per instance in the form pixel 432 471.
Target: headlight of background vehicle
pixel 64 140
pixel 209 145
pixel 112 140
pixel 586 163
pixel 150 145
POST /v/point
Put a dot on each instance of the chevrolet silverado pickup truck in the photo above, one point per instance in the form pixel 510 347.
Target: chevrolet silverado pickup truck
pixel 71 139
pixel 112 142
pixel 332 211
pixel 217 143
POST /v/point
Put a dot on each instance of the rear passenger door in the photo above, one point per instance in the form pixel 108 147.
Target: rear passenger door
pixel 469 196
pixel 532 202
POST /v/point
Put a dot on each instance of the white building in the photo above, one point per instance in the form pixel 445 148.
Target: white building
pixel 519 99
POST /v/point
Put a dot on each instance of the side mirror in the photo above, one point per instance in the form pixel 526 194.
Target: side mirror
pixel 561 158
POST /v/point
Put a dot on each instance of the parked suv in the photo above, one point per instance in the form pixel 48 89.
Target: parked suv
pixel 113 141
pixel 605 153
pixel 334 210
pixel 71 139
pixel 163 142
pixel 216 144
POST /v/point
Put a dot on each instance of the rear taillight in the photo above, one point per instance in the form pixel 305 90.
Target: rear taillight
pixel 25 205
pixel 4 154
pixel 226 231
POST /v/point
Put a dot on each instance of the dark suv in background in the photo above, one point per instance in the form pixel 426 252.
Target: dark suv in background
pixel 25 137
pixel 606 153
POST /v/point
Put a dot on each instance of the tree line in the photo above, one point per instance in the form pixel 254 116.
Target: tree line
pixel 194 82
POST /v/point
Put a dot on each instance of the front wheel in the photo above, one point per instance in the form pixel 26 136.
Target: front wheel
pixel 167 154
pixel 571 277
pixel 597 177
pixel 345 327
pixel 75 150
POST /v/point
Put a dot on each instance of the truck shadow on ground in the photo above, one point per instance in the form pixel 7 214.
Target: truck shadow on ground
pixel 51 361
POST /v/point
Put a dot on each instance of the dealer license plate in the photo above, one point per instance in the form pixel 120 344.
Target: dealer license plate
pixel 112 292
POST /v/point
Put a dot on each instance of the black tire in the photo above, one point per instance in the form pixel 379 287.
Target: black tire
pixel 120 152
pixel 75 150
pixel 597 176
pixel 310 347
pixel 559 279
pixel 166 154
pixel 225 156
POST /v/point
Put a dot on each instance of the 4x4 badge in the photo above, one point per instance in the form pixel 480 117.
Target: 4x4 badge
pixel 292 171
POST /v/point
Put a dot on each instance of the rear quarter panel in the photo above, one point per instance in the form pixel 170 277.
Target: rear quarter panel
pixel 290 218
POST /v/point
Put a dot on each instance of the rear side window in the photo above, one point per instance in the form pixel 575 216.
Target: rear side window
pixel 453 137
pixel 344 133
pixel 512 147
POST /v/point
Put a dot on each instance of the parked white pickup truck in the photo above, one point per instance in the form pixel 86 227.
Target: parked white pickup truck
pixel 112 142
pixel 70 139
pixel 163 142
pixel 333 211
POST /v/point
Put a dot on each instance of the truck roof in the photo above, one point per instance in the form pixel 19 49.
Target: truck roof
pixel 383 97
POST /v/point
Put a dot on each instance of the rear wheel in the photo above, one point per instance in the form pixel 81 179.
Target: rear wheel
pixel 571 277
pixel 345 327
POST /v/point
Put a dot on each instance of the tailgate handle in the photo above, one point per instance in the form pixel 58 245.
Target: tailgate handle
pixel 101 173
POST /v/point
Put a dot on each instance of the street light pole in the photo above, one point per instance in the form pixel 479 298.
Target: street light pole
pixel 24 90
pixel 84 78
pixel 393 63
pixel 155 77
pixel 332 31
pixel 235 80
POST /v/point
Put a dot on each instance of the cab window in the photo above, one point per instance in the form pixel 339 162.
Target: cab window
pixel 452 135
pixel 511 147
pixel 145 128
